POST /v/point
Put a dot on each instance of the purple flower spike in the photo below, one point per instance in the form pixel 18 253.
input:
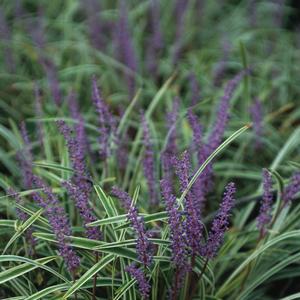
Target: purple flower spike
pixel 177 237
pixel 257 118
pixel 59 223
pixel 220 223
pixel 182 167
pixel 222 118
pixel 144 286
pixel 105 120
pixel 125 48
pixel 292 189
pixel 264 216
pixel 81 198
pixel 148 162
pixel 193 226
pixel 179 253
pixel 144 247
pixel 54 212
pixel 80 189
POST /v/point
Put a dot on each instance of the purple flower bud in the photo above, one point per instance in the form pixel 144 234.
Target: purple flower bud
pixel 264 216
pixel 138 274
pixel 144 247
pixel 177 235
pixel 105 120
pixel 182 167
pixel 220 223
pixel 148 162
pixel 292 189
pixel 257 119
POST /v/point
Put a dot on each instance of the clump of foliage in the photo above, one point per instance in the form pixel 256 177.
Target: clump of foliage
pixel 149 150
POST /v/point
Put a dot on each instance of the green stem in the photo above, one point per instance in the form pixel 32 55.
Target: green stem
pixel 198 279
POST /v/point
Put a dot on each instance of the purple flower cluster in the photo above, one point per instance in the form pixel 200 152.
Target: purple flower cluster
pixel 53 210
pixel 182 168
pixel 205 183
pixel 220 223
pixel 125 48
pixel 192 223
pixel 257 119
pixel 148 161
pixel 143 246
pixel 143 284
pixel 80 189
pixel 81 197
pixel 264 216
pixel 222 117
pixel 292 189
pixel 76 152
pixel 59 222
pixel 177 236
pixel 105 119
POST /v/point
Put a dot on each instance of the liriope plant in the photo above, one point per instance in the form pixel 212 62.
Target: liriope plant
pixel 138 160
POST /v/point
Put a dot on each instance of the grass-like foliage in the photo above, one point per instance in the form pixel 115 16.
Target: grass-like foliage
pixel 149 149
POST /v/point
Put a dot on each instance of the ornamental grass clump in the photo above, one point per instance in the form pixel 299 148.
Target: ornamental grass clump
pixel 153 164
